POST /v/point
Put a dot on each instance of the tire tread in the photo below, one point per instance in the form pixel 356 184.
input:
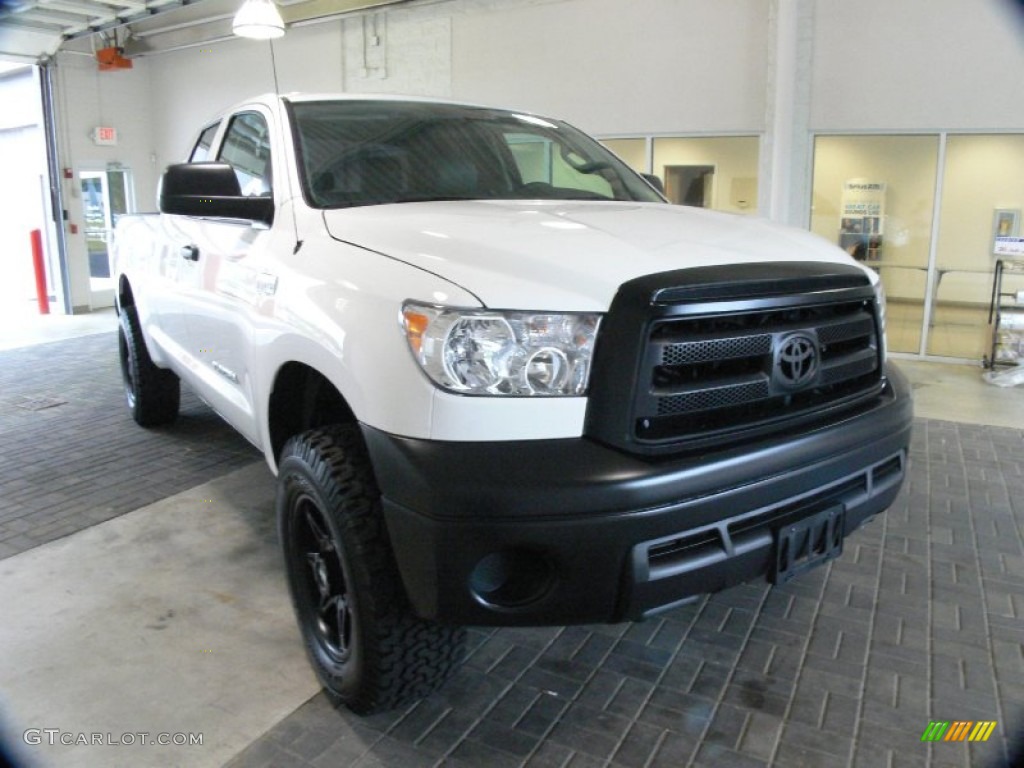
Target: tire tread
pixel 157 390
pixel 406 658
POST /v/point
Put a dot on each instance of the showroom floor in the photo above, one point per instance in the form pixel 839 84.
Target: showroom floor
pixel 142 593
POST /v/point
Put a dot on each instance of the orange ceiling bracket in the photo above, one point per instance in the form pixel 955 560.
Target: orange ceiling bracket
pixel 112 58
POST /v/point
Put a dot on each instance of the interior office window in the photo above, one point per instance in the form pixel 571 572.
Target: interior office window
pixel 982 196
pixel 713 172
pixel 201 151
pixel 633 152
pixel 874 196
pixel 246 148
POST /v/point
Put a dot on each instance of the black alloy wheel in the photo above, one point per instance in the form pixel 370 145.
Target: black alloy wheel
pixel 324 582
pixel 369 651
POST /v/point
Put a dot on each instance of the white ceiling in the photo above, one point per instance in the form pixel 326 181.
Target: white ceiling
pixel 32 29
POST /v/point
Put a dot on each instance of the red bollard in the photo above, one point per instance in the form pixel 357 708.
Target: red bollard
pixel 37 261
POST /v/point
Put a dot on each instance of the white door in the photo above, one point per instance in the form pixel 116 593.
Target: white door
pixel 224 283
pixel 105 196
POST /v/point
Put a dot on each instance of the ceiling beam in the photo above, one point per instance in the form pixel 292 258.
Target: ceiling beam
pixel 132 4
pixel 42 26
pixel 41 14
pixel 152 9
pixel 92 10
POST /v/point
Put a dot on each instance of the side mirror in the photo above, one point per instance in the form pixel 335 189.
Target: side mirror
pixel 654 181
pixel 211 190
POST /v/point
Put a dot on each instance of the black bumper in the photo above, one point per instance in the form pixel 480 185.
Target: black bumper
pixel 570 531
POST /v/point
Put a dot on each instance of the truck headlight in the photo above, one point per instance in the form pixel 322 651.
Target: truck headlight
pixel 485 352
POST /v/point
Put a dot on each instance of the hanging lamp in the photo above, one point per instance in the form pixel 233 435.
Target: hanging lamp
pixel 258 19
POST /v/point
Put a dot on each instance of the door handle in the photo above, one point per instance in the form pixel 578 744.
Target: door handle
pixel 190 252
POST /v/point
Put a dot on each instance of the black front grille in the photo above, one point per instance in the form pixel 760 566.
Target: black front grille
pixel 733 362
pixel 683 392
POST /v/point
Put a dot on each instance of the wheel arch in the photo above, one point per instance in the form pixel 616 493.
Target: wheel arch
pixel 302 398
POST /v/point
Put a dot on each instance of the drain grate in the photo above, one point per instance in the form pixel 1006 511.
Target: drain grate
pixel 39 403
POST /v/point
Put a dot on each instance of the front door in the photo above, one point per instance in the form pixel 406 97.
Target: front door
pixel 223 283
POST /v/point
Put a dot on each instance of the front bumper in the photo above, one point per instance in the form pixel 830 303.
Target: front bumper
pixel 570 531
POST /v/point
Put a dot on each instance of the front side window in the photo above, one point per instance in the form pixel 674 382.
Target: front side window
pixel 201 150
pixel 246 148
pixel 371 153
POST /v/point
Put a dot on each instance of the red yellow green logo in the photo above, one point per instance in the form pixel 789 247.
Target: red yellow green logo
pixel 958 730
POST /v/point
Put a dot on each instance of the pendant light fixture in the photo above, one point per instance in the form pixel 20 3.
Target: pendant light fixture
pixel 258 19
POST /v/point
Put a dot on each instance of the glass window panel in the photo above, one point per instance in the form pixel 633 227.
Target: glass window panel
pixel 201 151
pixel 246 148
pixel 874 196
pixel 540 160
pixel 717 172
pixel 982 174
pixel 369 153
pixel 532 156
pixel 105 196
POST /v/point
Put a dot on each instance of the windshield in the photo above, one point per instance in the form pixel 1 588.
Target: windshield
pixel 375 152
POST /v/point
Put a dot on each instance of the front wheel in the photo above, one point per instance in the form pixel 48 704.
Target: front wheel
pixel 365 645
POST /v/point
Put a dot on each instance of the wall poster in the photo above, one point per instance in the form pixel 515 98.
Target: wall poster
pixel 1005 227
pixel 862 219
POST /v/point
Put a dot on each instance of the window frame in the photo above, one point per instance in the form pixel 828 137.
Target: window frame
pixel 268 170
pixel 212 129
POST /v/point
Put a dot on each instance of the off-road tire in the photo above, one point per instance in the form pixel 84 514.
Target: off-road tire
pixel 153 394
pixel 367 648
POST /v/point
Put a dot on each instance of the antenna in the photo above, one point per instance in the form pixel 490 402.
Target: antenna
pixel 280 128
pixel 273 66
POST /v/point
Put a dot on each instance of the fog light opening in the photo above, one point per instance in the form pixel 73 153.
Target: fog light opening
pixel 511 578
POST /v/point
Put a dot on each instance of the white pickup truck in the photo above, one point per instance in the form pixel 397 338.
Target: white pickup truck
pixel 501 380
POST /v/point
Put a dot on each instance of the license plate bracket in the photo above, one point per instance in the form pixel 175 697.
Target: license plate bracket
pixel 806 544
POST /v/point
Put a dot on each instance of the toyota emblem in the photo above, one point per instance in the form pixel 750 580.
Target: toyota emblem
pixel 796 360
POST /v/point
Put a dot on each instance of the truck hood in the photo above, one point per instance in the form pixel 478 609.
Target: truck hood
pixel 568 256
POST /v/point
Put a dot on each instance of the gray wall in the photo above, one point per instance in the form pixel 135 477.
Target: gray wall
pixel 87 98
pixel 910 65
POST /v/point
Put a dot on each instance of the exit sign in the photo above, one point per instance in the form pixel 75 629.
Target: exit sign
pixel 105 135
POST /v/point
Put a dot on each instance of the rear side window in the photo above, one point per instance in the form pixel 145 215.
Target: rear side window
pixel 201 151
pixel 246 148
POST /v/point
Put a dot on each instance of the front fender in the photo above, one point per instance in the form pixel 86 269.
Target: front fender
pixel 339 313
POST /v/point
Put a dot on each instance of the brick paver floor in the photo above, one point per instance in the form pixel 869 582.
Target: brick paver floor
pixel 70 454
pixel 920 620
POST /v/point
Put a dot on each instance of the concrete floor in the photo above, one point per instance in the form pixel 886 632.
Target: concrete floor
pixel 23 328
pixel 147 622
pixel 164 611
pixel 958 393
